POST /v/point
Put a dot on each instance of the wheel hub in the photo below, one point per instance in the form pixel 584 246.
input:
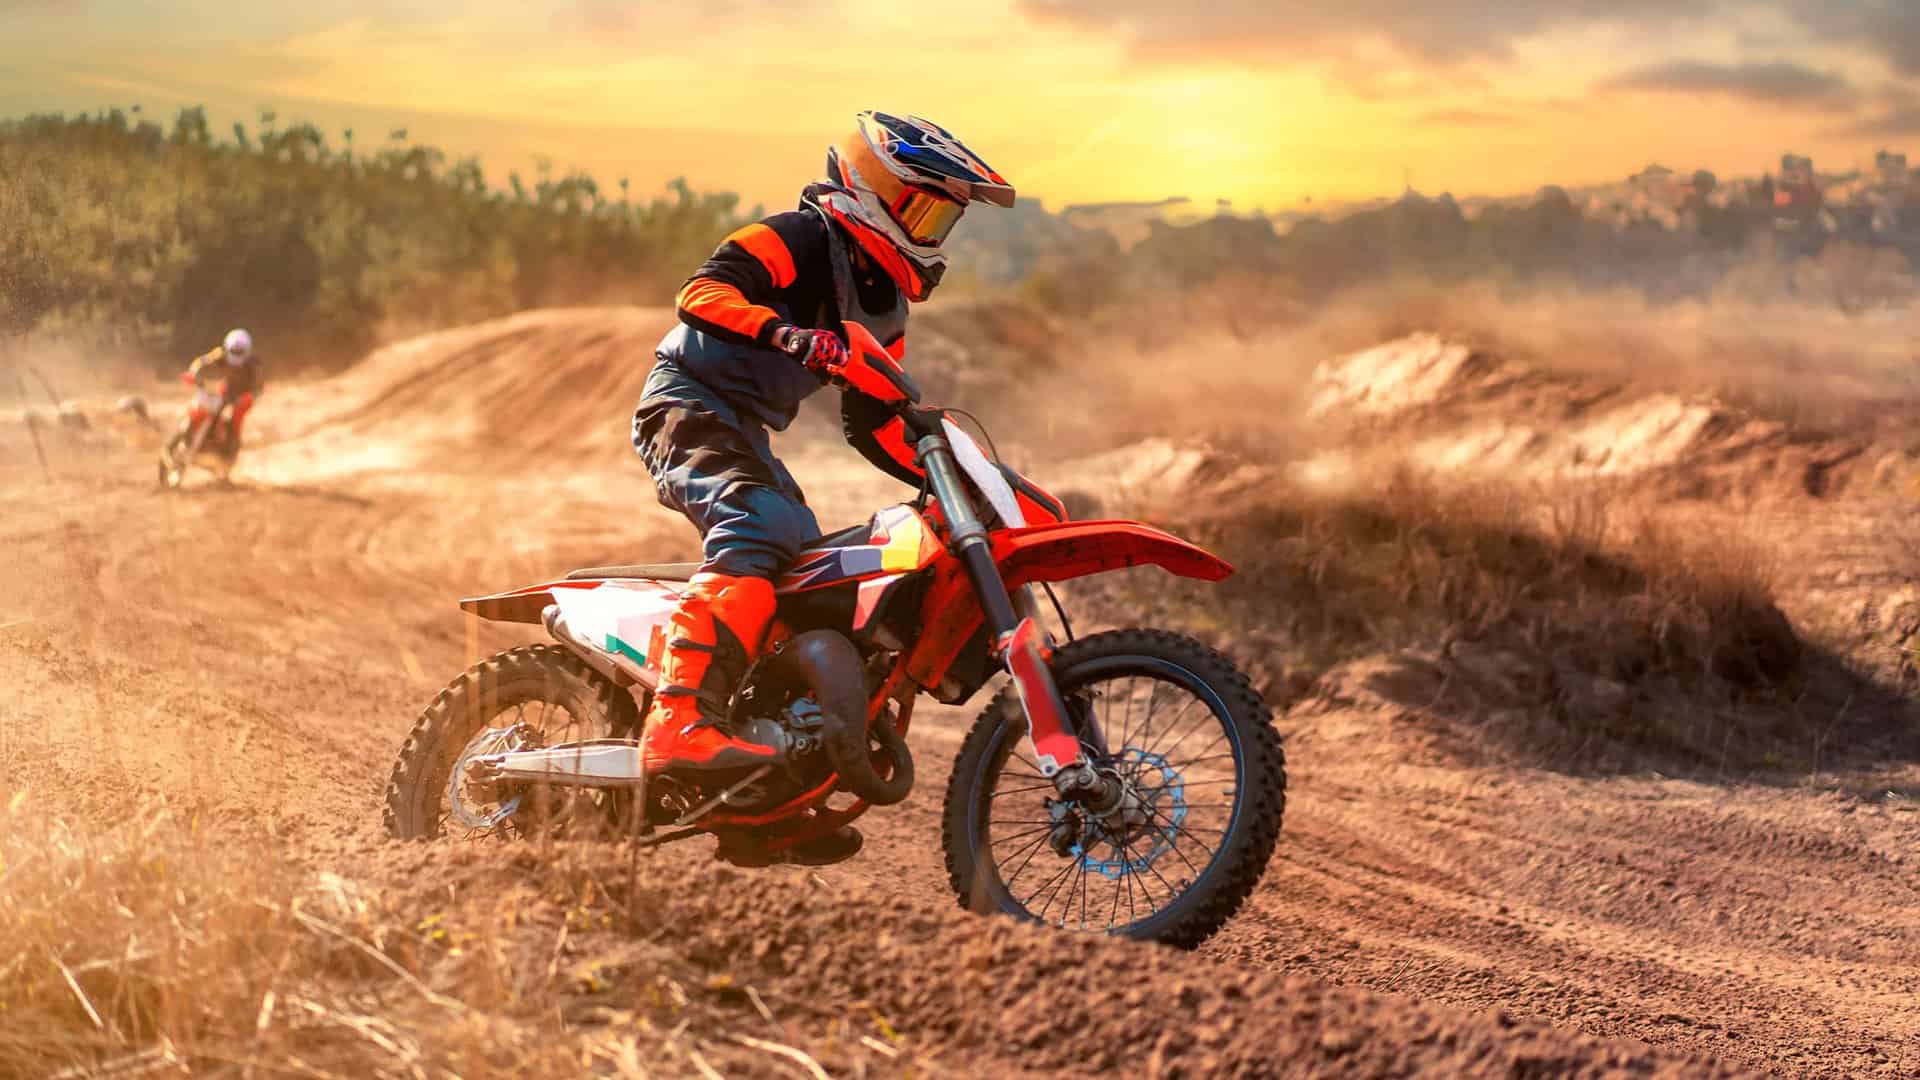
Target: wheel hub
pixel 1151 812
pixel 491 741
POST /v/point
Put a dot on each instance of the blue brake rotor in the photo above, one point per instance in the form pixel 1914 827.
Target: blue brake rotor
pixel 1169 798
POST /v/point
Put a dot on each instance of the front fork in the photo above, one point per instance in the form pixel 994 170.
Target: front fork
pixel 1019 643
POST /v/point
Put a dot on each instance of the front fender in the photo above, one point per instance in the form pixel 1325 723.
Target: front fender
pixel 1059 551
pixel 1065 550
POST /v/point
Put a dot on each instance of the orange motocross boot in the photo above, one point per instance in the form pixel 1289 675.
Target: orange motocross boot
pixel 713 636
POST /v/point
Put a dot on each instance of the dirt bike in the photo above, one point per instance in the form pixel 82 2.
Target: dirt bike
pixel 1129 782
pixel 207 428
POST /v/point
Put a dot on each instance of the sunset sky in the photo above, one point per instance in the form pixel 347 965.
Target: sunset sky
pixel 1258 101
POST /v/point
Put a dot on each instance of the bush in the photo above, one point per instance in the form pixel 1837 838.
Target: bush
pixel 156 241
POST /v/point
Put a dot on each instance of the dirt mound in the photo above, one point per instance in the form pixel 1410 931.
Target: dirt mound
pixel 536 959
pixel 1442 404
pixel 203 691
pixel 543 389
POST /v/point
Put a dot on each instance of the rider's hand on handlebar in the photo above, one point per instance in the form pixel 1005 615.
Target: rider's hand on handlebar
pixel 819 351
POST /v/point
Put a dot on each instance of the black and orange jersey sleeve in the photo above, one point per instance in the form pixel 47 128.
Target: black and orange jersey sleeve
pixel 732 294
pixel 199 364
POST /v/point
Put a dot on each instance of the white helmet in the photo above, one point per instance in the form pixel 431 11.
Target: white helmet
pixel 239 347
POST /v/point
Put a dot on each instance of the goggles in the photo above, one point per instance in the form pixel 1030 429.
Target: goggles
pixel 926 218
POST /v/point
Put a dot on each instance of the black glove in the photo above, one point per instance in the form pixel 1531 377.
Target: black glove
pixel 819 351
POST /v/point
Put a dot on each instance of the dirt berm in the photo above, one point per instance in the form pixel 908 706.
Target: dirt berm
pixel 203 692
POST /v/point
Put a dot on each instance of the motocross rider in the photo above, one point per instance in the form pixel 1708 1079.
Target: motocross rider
pixel 234 362
pixel 762 326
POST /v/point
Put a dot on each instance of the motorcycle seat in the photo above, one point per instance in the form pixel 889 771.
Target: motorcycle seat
pixel 685 571
pixel 650 571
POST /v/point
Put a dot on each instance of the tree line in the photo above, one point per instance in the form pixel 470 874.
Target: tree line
pixel 154 239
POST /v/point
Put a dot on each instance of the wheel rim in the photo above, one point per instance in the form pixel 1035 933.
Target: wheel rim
pixel 473 810
pixel 1170 739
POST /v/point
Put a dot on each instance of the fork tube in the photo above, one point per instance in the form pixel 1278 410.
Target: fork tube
pixel 969 542
pixel 1018 643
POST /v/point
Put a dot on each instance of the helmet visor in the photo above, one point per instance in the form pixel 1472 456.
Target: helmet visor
pixel 927 218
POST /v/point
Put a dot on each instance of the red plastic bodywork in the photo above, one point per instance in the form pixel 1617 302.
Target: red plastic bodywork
pixel 1058 552
pixel 871 369
pixel 1027 659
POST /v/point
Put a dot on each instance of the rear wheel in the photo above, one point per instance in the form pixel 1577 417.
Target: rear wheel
pixel 1205 776
pixel 535 695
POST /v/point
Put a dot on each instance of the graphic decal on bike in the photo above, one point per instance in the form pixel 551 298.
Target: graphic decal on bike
pixel 620 617
pixel 867 600
pixel 1147 807
pixel 900 542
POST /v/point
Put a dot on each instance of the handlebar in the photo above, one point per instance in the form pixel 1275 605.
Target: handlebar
pixel 920 420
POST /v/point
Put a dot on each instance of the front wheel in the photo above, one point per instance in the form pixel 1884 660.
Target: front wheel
pixel 173 465
pixel 1205 781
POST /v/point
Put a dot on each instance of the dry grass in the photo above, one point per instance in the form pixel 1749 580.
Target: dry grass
pixel 153 946
pixel 148 945
pixel 1608 625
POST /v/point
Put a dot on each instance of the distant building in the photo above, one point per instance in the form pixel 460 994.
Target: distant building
pixel 1888 195
pixel 1891 167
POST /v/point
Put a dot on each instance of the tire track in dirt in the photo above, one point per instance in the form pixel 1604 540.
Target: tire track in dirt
pixel 261 651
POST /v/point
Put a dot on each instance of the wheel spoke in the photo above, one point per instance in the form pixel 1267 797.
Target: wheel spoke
pixel 1202 752
pixel 1163 750
pixel 1084 884
pixel 1172 893
pixel 1022 790
pixel 1182 831
pixel 1022 833
pixel 1057 876
pixel 1030 850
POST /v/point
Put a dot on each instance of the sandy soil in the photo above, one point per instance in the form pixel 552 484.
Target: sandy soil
pixel 257 653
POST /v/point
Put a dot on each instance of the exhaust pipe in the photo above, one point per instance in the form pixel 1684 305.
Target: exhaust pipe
pixel 829 666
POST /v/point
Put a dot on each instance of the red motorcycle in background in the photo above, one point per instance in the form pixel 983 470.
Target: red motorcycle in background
pixel 1126 782
pixel 205 436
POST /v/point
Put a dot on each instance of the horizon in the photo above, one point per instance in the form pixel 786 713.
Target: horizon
pixel 1330 104
pixel 1172 205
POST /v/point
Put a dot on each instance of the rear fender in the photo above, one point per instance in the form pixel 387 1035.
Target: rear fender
pixel 616 615
pixel 1059 551
pixel 519 605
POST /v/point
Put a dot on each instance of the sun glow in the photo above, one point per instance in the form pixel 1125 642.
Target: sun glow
pixel 744 97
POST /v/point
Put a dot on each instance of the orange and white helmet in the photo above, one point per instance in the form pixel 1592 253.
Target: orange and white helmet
pixel 902 186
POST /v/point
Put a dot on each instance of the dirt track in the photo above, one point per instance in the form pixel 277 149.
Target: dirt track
pixel 258 652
